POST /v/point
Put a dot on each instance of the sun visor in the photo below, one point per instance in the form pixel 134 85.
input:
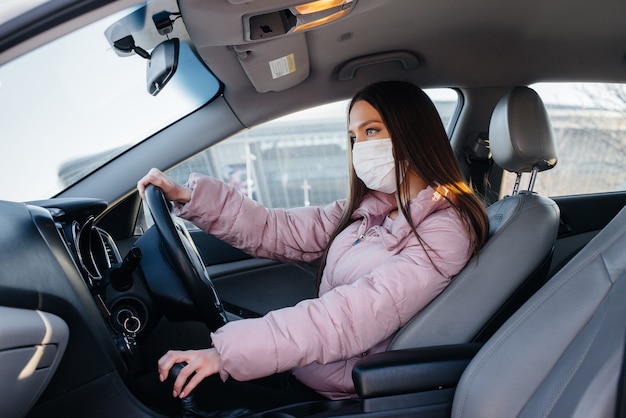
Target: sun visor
pixel 277 64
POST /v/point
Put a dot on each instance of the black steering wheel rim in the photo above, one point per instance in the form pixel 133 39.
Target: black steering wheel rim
pixel 185 258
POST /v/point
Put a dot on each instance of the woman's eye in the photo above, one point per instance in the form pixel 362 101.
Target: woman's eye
pixel 352 139
pixel 370 131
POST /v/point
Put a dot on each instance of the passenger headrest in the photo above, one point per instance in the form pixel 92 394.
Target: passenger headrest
pixel 520 133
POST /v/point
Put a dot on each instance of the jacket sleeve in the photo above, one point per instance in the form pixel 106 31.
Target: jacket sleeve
pixel 350 319
pixel 299 234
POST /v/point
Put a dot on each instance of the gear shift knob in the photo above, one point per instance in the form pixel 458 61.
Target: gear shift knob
pixel 174 371
pixel 187 404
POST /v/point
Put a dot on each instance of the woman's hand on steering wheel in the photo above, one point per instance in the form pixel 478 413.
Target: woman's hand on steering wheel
pixel 172 190
pixel 182 254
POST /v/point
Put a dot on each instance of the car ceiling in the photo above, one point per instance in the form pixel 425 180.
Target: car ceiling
pixel 469 45
pixel 482 43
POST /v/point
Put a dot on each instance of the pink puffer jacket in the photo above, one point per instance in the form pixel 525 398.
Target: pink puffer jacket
pixel 376 278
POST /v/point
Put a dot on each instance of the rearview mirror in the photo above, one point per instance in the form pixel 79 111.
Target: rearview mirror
pixel 162 65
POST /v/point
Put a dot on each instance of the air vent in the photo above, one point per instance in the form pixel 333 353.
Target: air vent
pixel 113 254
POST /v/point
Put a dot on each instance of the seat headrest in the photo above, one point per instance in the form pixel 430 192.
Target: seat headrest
pixel 520 133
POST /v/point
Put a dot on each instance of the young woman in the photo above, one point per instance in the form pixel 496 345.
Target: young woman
pixel 409 224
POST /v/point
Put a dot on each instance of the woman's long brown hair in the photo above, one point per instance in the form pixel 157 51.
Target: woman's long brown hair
pixel 419 138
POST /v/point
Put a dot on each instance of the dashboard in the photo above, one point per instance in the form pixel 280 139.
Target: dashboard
pixel 114 281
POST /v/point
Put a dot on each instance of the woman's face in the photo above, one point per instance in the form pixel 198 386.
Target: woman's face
pixel 365 123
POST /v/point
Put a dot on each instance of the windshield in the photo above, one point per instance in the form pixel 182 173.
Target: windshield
pixel 74 104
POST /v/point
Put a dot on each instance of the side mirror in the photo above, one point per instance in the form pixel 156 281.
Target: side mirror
pixel 162 65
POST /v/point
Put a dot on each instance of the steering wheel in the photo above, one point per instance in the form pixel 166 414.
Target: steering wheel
pixel 185 259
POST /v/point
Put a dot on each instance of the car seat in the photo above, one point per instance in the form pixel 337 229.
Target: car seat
pixel 561 354
pixel 523 228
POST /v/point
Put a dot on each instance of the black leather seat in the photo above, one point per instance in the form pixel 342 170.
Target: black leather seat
pixel 522 231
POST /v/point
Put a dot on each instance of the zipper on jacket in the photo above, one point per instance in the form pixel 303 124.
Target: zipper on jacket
pixel 367 233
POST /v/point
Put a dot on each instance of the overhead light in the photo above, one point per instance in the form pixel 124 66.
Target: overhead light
pixel 320 12
pixel 296 19
pixel 319 6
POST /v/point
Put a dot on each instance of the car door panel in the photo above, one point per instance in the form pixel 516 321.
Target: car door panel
pixel 251 287
pixel 213 250
pixel 582 217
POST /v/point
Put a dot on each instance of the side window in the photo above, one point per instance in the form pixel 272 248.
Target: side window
pixel 589 123
pixel 296 160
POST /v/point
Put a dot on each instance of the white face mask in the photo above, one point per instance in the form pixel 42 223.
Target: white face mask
pixel 373 163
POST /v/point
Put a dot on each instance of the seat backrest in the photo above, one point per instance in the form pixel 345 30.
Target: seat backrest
pixel 522 232
pixel 560 354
